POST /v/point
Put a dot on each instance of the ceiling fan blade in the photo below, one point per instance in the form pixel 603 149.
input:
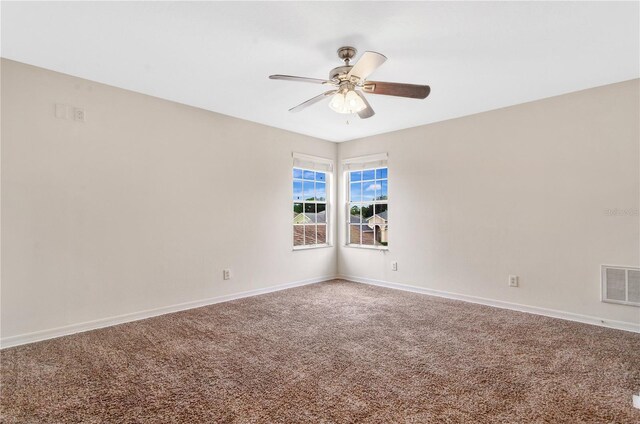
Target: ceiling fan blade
pixel 397 89
pixel 312 100
pixel 300 79
pixel 368 111
pixel 368 62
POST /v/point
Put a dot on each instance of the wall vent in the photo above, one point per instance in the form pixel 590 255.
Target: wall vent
pixel 621 284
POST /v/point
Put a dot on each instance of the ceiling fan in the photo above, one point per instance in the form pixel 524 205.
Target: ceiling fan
pixel 350 81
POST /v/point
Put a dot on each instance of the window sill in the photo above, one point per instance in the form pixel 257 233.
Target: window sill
pixel 315 246
pixel 357 246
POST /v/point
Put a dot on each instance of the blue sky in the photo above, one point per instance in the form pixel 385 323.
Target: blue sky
pixel 368 190
pixel 368 175
pixel 365 185
pixel 315 188
pixel 309 175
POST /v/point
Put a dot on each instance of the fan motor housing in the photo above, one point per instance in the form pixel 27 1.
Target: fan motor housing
pixel 339 73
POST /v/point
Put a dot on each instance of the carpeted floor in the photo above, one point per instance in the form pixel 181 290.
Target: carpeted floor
pixel 332 352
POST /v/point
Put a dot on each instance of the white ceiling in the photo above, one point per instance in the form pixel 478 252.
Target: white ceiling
pixel 217 56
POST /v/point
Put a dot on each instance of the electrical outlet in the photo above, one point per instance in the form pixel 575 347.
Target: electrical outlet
pixel 394 266
pixel 226 274
pixel 513 281
pixel 78 114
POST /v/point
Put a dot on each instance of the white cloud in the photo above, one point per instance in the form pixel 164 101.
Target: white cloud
pixel 373 187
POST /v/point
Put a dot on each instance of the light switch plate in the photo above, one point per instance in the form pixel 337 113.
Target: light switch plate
pixel 62 111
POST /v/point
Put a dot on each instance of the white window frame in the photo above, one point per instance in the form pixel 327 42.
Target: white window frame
pixel 316 164
pixel 362 163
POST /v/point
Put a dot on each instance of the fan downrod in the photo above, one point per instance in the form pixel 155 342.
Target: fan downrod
pixel 339 74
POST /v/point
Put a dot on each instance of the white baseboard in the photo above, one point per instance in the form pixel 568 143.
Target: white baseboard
pixel 51 333
pixel 619 325
pixel 7 342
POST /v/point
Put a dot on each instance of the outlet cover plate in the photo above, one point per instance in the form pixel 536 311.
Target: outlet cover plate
pixel 513 281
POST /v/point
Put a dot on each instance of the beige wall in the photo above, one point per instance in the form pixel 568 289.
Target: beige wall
pixel 145 203
pixel 141 206
pixel 521 190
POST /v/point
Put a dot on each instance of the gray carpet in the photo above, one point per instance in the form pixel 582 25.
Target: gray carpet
pixel 332 352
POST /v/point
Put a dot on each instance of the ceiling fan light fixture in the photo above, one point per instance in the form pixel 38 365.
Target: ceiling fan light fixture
pixel 348 102
pixel 349 83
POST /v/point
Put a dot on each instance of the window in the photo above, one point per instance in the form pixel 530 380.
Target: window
pixel 367 201
pixel 311 180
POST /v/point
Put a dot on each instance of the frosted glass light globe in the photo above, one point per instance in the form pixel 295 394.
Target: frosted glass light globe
pixel 337 102
pixel 354 102
pixel 348 102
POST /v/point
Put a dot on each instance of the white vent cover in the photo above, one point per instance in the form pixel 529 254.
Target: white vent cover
pixel 621 285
